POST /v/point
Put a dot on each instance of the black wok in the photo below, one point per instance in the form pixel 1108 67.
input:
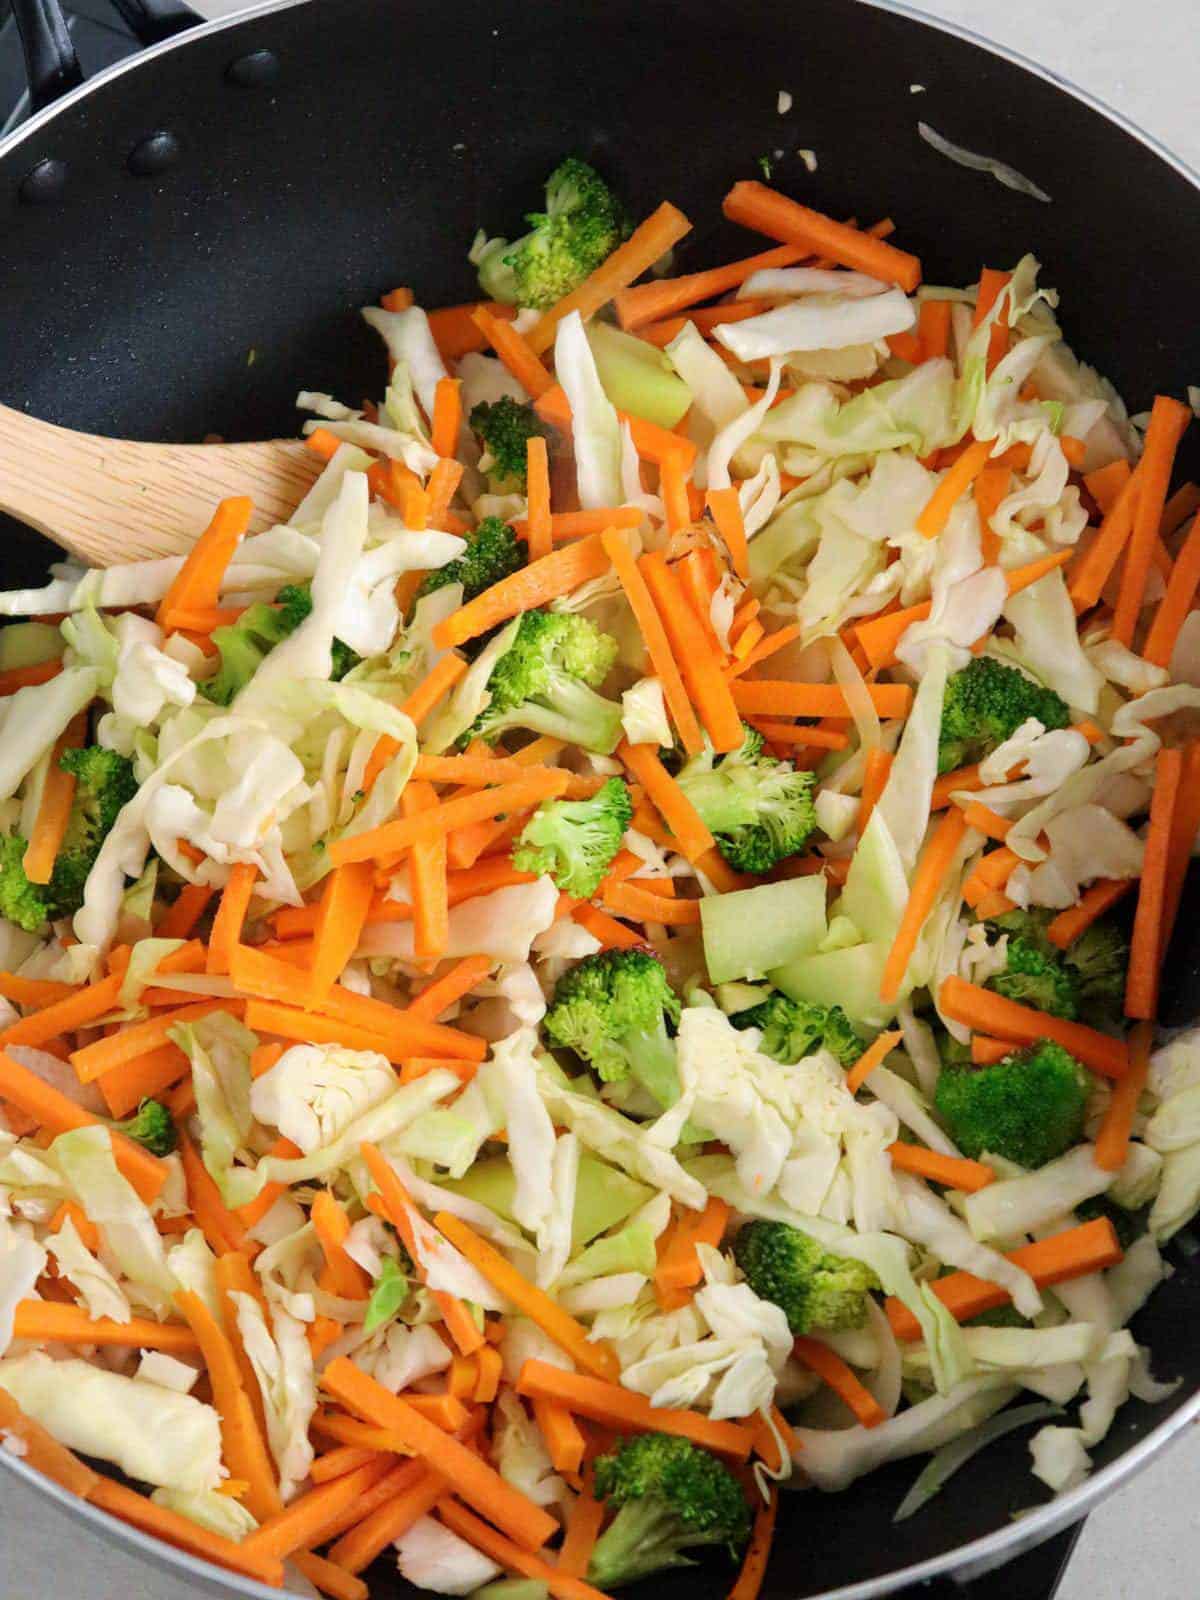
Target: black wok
pixel 185 241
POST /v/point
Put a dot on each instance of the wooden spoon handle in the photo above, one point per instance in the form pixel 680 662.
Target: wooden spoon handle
pixel 111 500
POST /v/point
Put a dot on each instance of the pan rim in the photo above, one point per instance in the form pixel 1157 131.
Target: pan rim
pixel 966 1561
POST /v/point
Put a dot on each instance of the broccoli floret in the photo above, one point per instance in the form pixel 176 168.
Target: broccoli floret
pixel 546 681
pixel 582 224
pixel 669 1497
pixel 1036 976
pixel 814 1288
pixel 793 1029
pixel 613 1009
pixel 985 704
pixel 151 1125
pixel 244 644
pixel 505 428
pixel 1099 959
pixel 576 840
pixel 1028 1108
pixel 27 904
pixel 493 552
pixel 759 809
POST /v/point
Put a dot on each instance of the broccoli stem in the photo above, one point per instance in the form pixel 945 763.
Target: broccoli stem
pixel 643 1538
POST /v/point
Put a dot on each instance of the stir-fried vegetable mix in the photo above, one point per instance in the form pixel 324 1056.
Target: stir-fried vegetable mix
pixel 619 949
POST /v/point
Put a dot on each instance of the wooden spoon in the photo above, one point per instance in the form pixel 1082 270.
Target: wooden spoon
pixel 111 500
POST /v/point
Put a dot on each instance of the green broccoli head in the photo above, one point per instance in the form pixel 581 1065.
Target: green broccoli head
pixel 1028 1108
pixel 493 552
pixel 576 840
pixel 813 1288
pixel 27 904
pixel 793 1029
pixel 985 704
pixel 505 428
pixel 612 1009
pixel 582 224
pixel 1036 976
pixel 295 603
pixel 243 645
pixel 1099 959
pixel 545 681
pixel 669 1497
pixel 760 810
pixel 151 1125
pixel 104 784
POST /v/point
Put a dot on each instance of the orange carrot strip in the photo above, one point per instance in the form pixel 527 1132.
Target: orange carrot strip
pixel 556 574
pixel 53 1321
pixel 519 354
pixel 927 881
pixel 705 319
pixel 55 1112
pixel 648 243
pixel 933 328
pixel 42 1450
pixel 451 986
pixel 1176 602
pixel 332 1228
pixel 392 837
pixel 323 443
pixel 330 1580
pixel 993 904
pixel 758 1551
pixel 612 935
pixel 627 900
pixel 28 677
pixel 539 530
pixel 654 636
pixel 592 1356
pixel 584 1521
pixel 676 810
pixel 1112 1141
pixel 231 914
pixel 77 1010
pixel 185 1534
pixel 672 485
pixel 699 665
pixel 401 1027
pixel 197 584
pixel 447 417
pixel 650 302
pixel 186 911
pixel 455 331
pixel 991 487
pixel 875 776
pixel 417 705
pixel 1091 1247
pixel 957 481
pixel 986 821
pixel 956 1172
pixel 1093 903
pixel 993 1014
pixel 54 810
pixel 34 992
pixel 767 646
pixel 652 442
pixel 781 698
pixel 412 1495
pixel 303 1522
pixel 310 1027
pixel 870 1059
pixel 339 924
pixel 561 1434
pixel 798 733
pixel 479 1483
pixel 1168 422
pixel 427 873
pixel 620 1408
pixel 104 1054
pixel 443 1409
pixel 1146 945
pixel 834 1372
pixel 753 205
pixel 1185 824
pixel 1091 569
pixel 679 1269
pixel 985 1052
pixel 441 488
pixel 992 285
pixel 126 1086
pixel 511 1556
pixel 491 1369
pixel 223 1230
pixel 726 511
pixel 575 524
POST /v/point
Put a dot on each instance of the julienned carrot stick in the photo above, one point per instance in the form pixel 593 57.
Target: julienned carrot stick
pixel 660 232
pixel 518 355
pixel 539 531
pixel 104 1054
pixel 54 810
pixel 332 1228
pixel 185 1534
pixel 654 637
pixel 470 1476
pixel 333 1581
pixel 1146 946
pixel 125 1087
pixel 427 877
pixel 303 1521
pixel 65 1016
pixel 627 900
pixel 650 302
pixel 936 861
pixel 34 992
pixel 1112 1141
pixel 592 1356
pixel 575 524
pixel 443 1409
pixel 676 810
pixel 197 584
pixel 652 442
pixel 53 1321
pixel 183 915
pixel 956 1172
pixel 767 211
pixel 447 417
pixel 672 484
pixel 992 285
pixel 340 917
pixel 993 1014
pixel 220 1227
pixel 1091 1247
pixel 510 1556
pixel 41 1450
pixel 1185 826
pixel 613 935
pixel 440 995
pixel 679 1268
pixel 392 837
pixel 985 1052
pixel 231 914
pixel 991 487
pixel 1093 903
pixel 1168 423
pixel 933 328
pixel 622 1409
pixel 936 512
pixel 541 581
pixel 402 1027
pixel 870 1059
pixel 875 776
pixel 766 647
pixel 561 1435
pixel 455 331
pixel 1091 568
pixel 726 511
pixel 584 1521
pixel 799 733
pixel 1176 603
pixel 834 1372
pixel 784 699
pixel 28 677
pixel 55 1112
pixel 986 821
pixel 704 318
pixel 758 1551
pixel 412 1495
pixel 700 667
pixel 441 488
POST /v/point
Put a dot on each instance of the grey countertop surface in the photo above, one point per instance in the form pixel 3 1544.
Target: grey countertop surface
pixel 1146 64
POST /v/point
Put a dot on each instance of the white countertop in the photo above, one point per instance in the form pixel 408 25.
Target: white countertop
pixel 1144 62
